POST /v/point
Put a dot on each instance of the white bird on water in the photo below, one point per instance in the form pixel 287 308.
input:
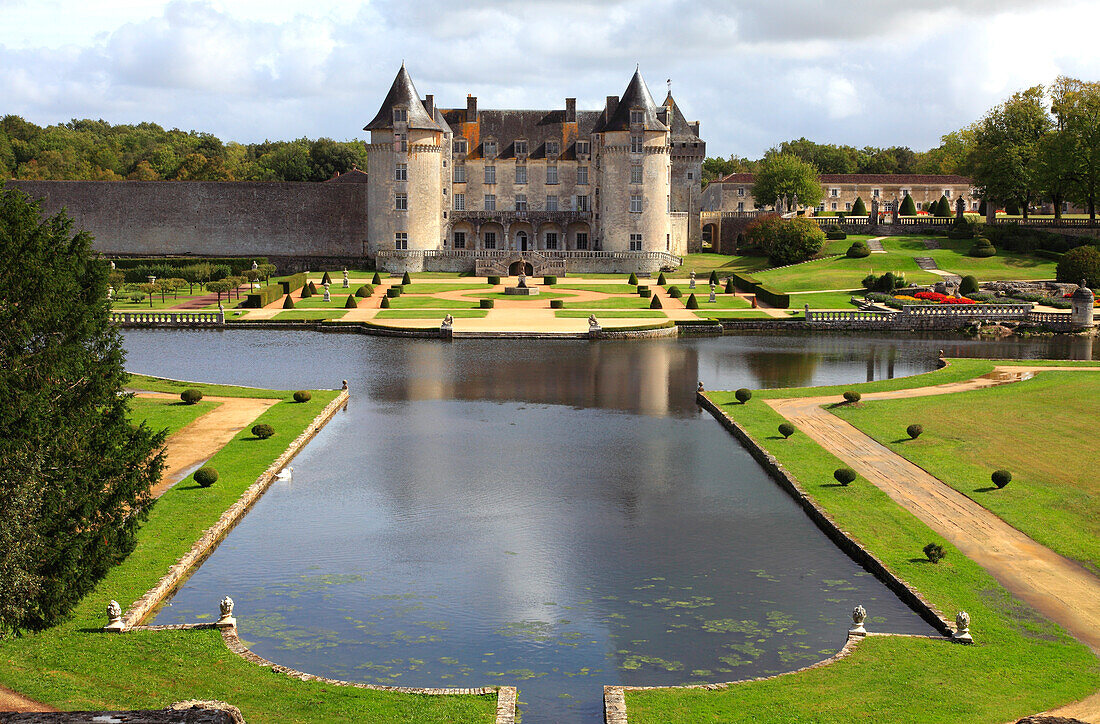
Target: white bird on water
pixel 285 474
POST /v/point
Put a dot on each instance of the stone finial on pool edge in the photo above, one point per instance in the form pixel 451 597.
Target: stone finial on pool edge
pixel 114 618
pixel 962 628
pixel 345 385
pixel 226 610
pixel 859 615
pixel 700 387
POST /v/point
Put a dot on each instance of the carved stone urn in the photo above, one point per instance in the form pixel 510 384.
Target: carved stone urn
pixel 859 615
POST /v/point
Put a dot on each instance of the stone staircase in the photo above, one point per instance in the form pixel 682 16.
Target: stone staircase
pixel 541 264
pixel 926 263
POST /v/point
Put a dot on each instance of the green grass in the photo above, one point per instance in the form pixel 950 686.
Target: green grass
pixel 610 314
pixel 732 314
pixel 954 257
pixel 422 288
pixel 1020 662
pixel 826 300
pixel 603 288
pixel 428 302
pixel 721 301
pixel 430 314
pixel 310 314
pixel 705 263
pixel 1038 429
pixel 317 301
pixel 543 294
pixel 168 415
pixel 632 301
pixel 75 666
pixel 163 384
pixel 127 306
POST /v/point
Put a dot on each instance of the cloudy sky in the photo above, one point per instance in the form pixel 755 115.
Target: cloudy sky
pixel 754 72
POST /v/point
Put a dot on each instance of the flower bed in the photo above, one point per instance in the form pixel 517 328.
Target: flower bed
pixel 937 298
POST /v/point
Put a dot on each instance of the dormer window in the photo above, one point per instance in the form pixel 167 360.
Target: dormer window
pixel 637 115
pixel 490 149
pixel 553 148
pixel 521 148
pixel 460 145
pixel 582 147
pixel 400 115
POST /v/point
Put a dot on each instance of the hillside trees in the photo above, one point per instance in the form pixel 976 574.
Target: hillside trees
pixel 1007 149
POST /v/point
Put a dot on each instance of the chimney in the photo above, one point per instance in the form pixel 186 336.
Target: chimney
pixel 429 105
pixel 570 110
pixel 612 104
pixel 471 109
pixel 694 127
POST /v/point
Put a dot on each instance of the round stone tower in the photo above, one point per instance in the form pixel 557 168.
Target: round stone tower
pixel 406 153
pixel 1081 313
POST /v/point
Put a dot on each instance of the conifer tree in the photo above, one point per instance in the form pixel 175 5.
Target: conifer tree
pixel 859 208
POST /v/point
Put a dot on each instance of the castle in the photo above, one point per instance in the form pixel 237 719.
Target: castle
pixel 455 189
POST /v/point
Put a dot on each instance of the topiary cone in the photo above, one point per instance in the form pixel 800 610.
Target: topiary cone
pixel 288 303
pixel 351 303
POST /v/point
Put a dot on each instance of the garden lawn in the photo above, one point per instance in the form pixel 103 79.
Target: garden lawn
pixel 610 314
pixel 1020 662
pixel 721 301
pixel 826 300
pixel 119 305
pixel 1040 430
pixel 167 414
pixel 954 257
pixel 706 262
pixel 76 666
pixel 428 288
pixel 430 314
pixel 317 301
pixel 732 314
pixel 604 288
pixel 430 302
pixel 163 384
pixel 632 301
pixel 292 314
pixel 840 272
pixel 543 294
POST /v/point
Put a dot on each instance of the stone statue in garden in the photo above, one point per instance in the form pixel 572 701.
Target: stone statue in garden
pixel 110 292
pixel 859 615
pixel 691 283
pixel 225 608
pixel 255 266
pixel 712 291
pixel 345 278
pixel 327 297
pixel 962 627
pixel 114 617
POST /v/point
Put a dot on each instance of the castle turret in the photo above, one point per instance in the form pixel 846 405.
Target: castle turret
pixel 632 157
pixel 406 153
pixel 1081 313
pixel 688 152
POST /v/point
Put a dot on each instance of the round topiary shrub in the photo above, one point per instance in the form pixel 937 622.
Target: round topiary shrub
pixel 852 397
pixel 288 303
pixel 786 429
pixel 835 233
pixel 190 397
pixel 1001 478
pixel 557 304
pixel 656 303
pixel 858 250
pixel 493 280
pixel 206 476
pixel 661 279
pixel 303 396
pixel 385 303
pixel 675 292
pixel 364 291
pixel 982 248
pixel 743 395
pixel 549 280
pixel 263 431
pixel 1082 262
pixel 376 279
pixel 844 476
pixel 351 303
pixel 968 285
pixel 632 279
pixel 406 279
pixel 692 302
pixel 914 431
pixel 934 552
pixel 487 303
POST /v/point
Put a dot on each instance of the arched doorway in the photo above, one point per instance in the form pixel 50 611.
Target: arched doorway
pixel 521 241
pixel 710 236
pixel 515 267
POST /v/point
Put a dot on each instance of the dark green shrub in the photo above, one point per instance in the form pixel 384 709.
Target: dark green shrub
pixel 376 279
pixel 406 279
pixel 288 303
pixel 549 280
pixel 306 292
pixel 1001 478
pixel 844 476
pixel 675 292
pixel 786 429
pixel 557 304
pixel 908 207
pixel 1012 208
pixel 713 277
pixel 859 208
pixel 914 431
pixel 192 396
pixel 963 229
pixel 312 288
pixel 934 552
pixel 632 279
pixel 835 233
pixel 1080 263
pixel 644 292
pixel 943 208
pixel 661 279
pixel 968 285
pixel 351 303
pixel 743 395
pixel 385 303
pixel 364 291
pixel 487 303
pixel 206 476
pixel 692 302
pixel 326 279
pixel 393 292
pixel 785 241
pixel 263 431
pixel 493 280
pixel 730 289
pixel 303 396
pixel 852 397
pixel 656 303
pixel 858 250
pixel 982 248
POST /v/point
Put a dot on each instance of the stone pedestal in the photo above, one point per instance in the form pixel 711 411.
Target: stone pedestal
pixel 225 608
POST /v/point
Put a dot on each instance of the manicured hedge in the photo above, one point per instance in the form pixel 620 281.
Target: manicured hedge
pixel 292 283
pixel 263 296
pixel 137 269
pixel 746 283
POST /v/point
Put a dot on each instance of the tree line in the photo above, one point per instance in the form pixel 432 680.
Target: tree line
pixel 96 150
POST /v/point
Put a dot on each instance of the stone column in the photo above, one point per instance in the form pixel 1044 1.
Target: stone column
pixel 873 217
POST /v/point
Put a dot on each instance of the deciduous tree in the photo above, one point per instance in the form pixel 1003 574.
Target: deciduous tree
pixel 784 176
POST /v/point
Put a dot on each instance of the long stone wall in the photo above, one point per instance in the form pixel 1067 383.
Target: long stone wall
pixel 209 218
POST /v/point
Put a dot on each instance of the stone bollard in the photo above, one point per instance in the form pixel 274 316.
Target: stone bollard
pixel 114 618
pixel 446 329
pixel 700 386
pixel 962 628
pixel 859 615
pixel 345 385
pixel 226 610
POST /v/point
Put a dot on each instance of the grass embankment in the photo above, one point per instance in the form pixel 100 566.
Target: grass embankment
pixel 732 314
pixel 826 300
pixel 429 288
pixel 1020 664
pixel 168 415
pixel 707 262
pixel 608 288
pixel 1040 430
pixel 76 666
pixel 163 384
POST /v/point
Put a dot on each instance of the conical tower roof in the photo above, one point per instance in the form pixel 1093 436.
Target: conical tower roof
pixel 636 96
pixel 681 129
pixel 403 93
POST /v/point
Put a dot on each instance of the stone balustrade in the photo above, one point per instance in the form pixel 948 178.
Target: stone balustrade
pixel 968 311
pixel 154 318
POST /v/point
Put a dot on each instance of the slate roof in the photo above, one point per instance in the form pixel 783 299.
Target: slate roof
pixel 636 95
pixel 354 176
pixel 537 127
pixel 682 131
pixel 403 93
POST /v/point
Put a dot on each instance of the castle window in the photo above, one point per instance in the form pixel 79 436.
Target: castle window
pixel 521 148
pixel 876 193
pixel 904 193
pixel 521 174
pixel 582 203
pixel 460 202
pixel 402 141
pixel 460 174
pixel 668 242
pixel 490 202
pixel 460 239
pixel 552 148
pixel 521 202
pixel 740 190
pixel 582 175
pixel 490 239
pixel 551 203
pixel 635 203
pixel 460 145
pixel 401 202
pixel 582 147
pixel 490 149
pixel 834 193
pixel 635 242
pixel 947 193
pixel 400 115
pixel 636 173
pixel 401 240
pixel 637 115
pixel 635 144
pixel 490 174
pixel 741 206
pixel 401 173
pixel 551 240
pixel 551 174
pixel 582 240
